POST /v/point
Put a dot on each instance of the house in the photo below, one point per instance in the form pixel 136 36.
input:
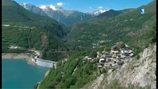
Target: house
pixel 126 46
pixel 126 51
pixel 120 62
pixel 103 56
pixel 99 65
pixel 104 52
pixel 14 47
pixel 108 56
pixel 131 55
pixel 106 64
pixel 114 56
pixel 98 54
pixel 86 57
pixel 122 51
pixel 89 58
pixel 122 56
pixel 115 48
pixel 109 59
pixel 114 66
pixel 130 51
pixel 37 53
pixel 101 60
pixel 114 51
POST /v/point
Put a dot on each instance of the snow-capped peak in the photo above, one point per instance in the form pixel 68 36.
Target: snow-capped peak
pixel 99 11
pixel 45 7
pixel 27 5
pixel 52 7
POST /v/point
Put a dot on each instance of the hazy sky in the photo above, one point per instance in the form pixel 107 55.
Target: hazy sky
pixel 89 5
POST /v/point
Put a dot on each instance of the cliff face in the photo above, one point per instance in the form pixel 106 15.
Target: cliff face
pixel 137 71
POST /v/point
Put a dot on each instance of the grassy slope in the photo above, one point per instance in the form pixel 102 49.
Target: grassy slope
pixel 45 33
pixel 136 33
pixel 73 74
pixel 125 27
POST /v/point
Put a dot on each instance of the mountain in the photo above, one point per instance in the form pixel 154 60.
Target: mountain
pixel 94 44
pixel 99 11
pixel 112 13
pixel 33 9
pixel 27 30
pixel 22 16
pixel 99 50
pixel 67 17
pixel 106 31
pixel 107 14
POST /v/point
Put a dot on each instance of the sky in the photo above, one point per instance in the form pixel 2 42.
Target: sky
pixel 89 5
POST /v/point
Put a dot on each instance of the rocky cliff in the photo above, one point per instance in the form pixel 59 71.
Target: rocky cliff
pixel 138 72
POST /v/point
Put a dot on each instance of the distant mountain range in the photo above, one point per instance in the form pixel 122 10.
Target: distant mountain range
pixel 113 26
pixel 34 9
pixel 67 17
pixel 70 17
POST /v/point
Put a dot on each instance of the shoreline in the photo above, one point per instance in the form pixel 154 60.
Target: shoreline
pixel 29 58
pixel 18 56
pixel 23 56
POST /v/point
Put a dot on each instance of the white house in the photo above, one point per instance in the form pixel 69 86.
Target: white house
pixel 14 47
pixel 122 56
pixel 100 66
pixel 130 51
pixel 114 52
pixel 101 60
pixel 86 57
pixel 131 54
pixel 89 58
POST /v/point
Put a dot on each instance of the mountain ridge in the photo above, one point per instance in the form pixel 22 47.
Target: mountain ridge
pixel 29 30
pixel 66 17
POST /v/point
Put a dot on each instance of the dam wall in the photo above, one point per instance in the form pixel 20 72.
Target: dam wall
pixel 44 63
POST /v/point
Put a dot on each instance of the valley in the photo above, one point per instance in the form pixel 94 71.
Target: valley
pixel 90 51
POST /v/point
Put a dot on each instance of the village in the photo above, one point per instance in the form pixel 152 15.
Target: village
pixel 118 55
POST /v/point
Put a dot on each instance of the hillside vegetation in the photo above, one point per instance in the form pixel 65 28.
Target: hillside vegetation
pixel 28 30
pixel 131 27
pixel 72 74
pixel 86 39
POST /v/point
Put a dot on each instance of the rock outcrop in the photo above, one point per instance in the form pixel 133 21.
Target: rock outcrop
pixel 137 72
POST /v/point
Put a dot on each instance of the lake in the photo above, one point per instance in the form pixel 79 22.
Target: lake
pixel 18 74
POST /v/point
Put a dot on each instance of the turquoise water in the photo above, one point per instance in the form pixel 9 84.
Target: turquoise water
pixel 18 74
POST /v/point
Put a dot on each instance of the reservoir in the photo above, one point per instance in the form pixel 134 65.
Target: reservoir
pixel 18 74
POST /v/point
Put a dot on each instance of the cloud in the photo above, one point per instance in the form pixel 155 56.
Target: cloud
pixel 60 4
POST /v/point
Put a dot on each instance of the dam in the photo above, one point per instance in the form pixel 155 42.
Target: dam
pixel 44 63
